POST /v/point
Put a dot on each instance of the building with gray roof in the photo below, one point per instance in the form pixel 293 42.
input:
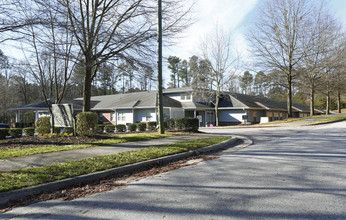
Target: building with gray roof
pixel 178 103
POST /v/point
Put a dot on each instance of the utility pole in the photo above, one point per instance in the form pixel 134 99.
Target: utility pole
pixel 159 66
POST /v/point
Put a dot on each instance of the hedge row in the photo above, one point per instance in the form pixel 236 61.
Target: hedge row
pixel 182 124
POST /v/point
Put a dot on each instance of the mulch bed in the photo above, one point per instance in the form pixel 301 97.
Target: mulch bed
pixel 27 141
pixel 106 184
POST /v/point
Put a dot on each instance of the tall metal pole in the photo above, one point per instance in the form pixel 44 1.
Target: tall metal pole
pixel 159 66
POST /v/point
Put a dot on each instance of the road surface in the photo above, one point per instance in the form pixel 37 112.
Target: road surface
pixel 289 173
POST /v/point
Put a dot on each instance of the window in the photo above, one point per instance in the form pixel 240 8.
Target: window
pixel 188 96
pixel 148 115
pixel 121 116
pixel 182 96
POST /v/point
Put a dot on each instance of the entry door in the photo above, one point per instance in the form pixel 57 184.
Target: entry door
pixel 210 118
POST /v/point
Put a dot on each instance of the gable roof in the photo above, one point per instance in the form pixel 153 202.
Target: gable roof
pixel 236 100
pixel 111 102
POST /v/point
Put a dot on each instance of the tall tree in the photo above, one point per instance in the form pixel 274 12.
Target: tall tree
pixel 277 38
pixel 321 34
pixel 246 81
pixel 106 29
pixel 173 65
pixel 217 50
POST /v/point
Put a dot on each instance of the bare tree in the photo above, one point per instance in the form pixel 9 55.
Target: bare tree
pixel 49 46
pixel 218 51
pixel 122 29
pixel 277 38
pixel 321 35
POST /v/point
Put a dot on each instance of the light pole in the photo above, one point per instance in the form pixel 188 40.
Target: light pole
pixel 159 66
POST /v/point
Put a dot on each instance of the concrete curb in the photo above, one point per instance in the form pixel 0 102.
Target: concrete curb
pixel 57 185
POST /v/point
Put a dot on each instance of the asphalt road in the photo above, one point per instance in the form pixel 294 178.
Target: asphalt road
pixel 289 173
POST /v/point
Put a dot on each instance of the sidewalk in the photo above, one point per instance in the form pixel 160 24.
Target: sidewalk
pixel 14 163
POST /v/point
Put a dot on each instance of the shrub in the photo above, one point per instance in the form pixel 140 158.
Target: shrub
pixel 110 128
pixel 170 124
pixel 141 126
pixel 121 128
pixel 68 130
pixel 178 124
pixel 56 130
pixel 86 123
pixel 151 125
pixel 43 125
pixel 100 128
pixel 132 127
pixel 29 131
pixel 15 132
pixel 190 124
pixel 183 124
pixel 3 132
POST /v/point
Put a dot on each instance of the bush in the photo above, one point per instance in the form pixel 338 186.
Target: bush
pixel 3 132
pixel 16 132
pixel 29 131
pixel 86 123
pixel 151 125
pixel 170 124
pixel 142 126
pixel 43 125
pixel 183 124
pixel 178 124
pixel 132 127
pixel 110 128
pixel 190 124
pixel 56 130
pixel 100 128
pixel 121 128
pixel 68 130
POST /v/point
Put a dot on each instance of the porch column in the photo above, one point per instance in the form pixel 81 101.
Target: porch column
pixel 195 113
pixel 17 116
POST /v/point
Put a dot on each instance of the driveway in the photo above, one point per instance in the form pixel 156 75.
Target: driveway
pixel 289 173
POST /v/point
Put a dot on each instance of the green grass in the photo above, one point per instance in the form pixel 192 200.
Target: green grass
pixel 8 153
pixel 37 175
pixel 330 119
pixel 17 152
pixel 292 119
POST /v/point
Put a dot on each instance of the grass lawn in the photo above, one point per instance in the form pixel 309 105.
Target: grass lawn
pixel 291 119
pixel 122 138
pixel 37 175
pixel 330 119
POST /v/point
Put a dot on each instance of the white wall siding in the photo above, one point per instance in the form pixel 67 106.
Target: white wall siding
pixel 177 113
pixel 231 115
pixel 124 116
pixel 145 115
pixel 178 96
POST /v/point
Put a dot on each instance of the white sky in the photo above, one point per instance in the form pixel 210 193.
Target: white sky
pixel 233 16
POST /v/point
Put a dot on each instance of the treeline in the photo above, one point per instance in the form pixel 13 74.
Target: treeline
pixel 19 85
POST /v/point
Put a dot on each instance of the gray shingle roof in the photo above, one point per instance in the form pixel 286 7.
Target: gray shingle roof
pixel 110 102
pixel 236 100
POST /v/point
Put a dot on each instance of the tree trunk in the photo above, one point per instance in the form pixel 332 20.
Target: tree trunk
pixel 289 95
pixel 217 108
pixel 339 102
pixel 312 98
pixel 328 103
pixel 87 87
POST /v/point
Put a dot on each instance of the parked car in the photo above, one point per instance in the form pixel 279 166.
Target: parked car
pixel 4 125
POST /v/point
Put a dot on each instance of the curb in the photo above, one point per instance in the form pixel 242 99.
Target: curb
pixel 58 185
